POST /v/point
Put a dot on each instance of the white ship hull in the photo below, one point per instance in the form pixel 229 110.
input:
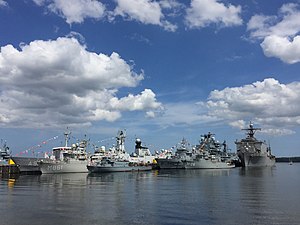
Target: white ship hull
pixel 75 166
pixel 250 160
pixel 142 159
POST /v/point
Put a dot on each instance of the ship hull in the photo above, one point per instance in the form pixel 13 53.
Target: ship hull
pixel 249 160
pixel 196 164
pixel 170 164
pixel 63 167
pixel 109 169
pixel 211 164
pixel 27 164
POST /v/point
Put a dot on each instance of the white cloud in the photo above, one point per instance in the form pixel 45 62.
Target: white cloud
pixel 51 83
pixel 203 13
pixel 146 100
pixel 266 102
pixel 172 8
pixel 278 131
pixel 259 26
pixel 150 114
pixel 39 2
pixel 74 11
pixel 144 11
pixel 287 23
pixel 3 3
pixel 238 123
pixel 279 33
pixel 282 47
pixel 170 4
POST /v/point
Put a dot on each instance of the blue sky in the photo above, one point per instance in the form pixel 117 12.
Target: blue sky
pixel 162 70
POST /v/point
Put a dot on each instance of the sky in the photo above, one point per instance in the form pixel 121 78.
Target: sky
pixel 161 69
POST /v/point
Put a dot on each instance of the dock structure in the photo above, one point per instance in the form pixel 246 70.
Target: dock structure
pixel 9 169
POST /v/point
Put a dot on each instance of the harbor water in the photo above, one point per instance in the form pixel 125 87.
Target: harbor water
pixel 230 196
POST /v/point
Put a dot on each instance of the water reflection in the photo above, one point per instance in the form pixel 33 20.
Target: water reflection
pixel 193 172
pixel 257 195
pixel 6 176
pixel 74 179
pixel 231 196
pixel 257 172
pixel 118 176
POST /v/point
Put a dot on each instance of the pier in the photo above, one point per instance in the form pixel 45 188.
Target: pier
pixel 9 169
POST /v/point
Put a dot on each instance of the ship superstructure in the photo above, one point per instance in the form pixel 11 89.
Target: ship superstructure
pixel 253 152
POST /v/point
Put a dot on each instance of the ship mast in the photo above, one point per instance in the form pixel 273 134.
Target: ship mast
pixel 251 130
pixel 67 133
pixel 121 141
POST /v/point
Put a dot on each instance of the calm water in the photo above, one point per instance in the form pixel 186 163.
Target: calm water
pixel 234 196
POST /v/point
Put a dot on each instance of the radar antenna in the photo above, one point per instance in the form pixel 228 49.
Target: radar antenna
pixel 251 130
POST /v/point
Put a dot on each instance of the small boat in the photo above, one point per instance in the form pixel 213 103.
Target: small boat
pixel 98 154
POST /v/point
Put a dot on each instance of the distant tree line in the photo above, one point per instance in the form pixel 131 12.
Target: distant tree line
pixel 288 159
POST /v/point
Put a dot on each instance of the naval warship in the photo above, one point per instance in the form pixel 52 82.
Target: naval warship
pixel 66 159
pixel 207 155
pixel 253 152
pixel 182 158
pixel 27 165
pixel 118 160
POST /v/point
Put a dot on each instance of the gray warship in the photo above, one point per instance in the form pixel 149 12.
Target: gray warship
pixel 207 155
pixel 118 160
pixel 27 165
pixel 66 159
pixel 253 152
pixel 182 158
